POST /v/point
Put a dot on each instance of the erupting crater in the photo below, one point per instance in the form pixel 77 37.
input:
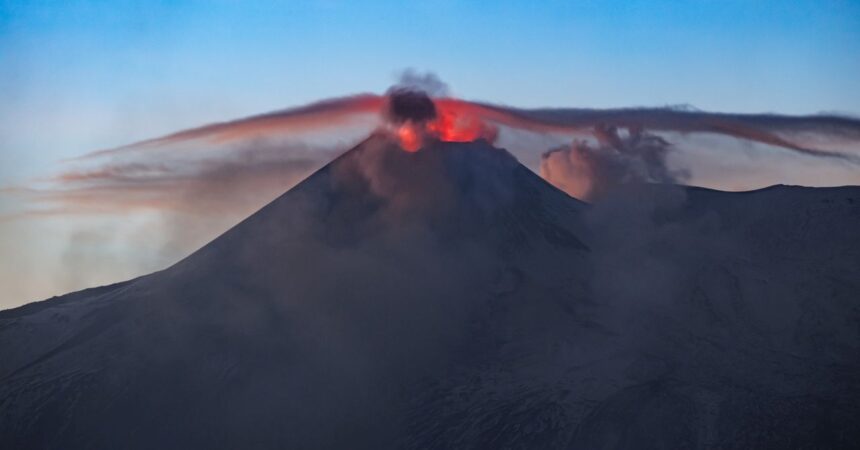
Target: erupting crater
pixel 416 118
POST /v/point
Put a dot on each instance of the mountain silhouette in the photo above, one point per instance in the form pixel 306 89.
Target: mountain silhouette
pixel 451 298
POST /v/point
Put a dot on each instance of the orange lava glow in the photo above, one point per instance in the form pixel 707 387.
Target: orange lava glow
pixel 410 138
pixel 454 122
pixel 454 125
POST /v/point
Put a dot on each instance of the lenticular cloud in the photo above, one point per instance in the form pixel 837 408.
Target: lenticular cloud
pixel 582 151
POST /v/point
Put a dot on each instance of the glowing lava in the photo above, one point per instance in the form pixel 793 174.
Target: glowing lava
pixel 455 125
pixel 446 120
pixel 409 137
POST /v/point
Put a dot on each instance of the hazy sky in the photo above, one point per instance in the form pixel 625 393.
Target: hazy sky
pixel 76 76
pixel 79 75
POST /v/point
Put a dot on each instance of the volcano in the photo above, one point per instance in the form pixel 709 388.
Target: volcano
pixel 451 298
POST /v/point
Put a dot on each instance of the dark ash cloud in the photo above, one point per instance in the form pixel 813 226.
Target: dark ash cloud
pixel 427 82
pixel 407 105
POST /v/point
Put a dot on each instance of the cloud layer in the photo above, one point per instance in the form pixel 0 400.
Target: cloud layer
pixel 266 154
pixel 191 185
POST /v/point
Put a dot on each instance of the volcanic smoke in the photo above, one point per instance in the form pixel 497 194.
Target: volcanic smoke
pixel 416 118
pixel 585 151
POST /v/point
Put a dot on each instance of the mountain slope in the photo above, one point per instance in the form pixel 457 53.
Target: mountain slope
pixel 451 298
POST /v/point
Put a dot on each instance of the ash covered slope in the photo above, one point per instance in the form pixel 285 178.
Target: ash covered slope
pixel 706 319
pixel 451 299
pixel 305 325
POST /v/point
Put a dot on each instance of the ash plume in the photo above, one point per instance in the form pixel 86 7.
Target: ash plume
pixel 825 136
pixel 590 171
pixel 755 150
pixel 408 105
pixel 427 82
pixel 322 115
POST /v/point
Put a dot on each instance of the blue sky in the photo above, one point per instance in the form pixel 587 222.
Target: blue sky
pixel 79 75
